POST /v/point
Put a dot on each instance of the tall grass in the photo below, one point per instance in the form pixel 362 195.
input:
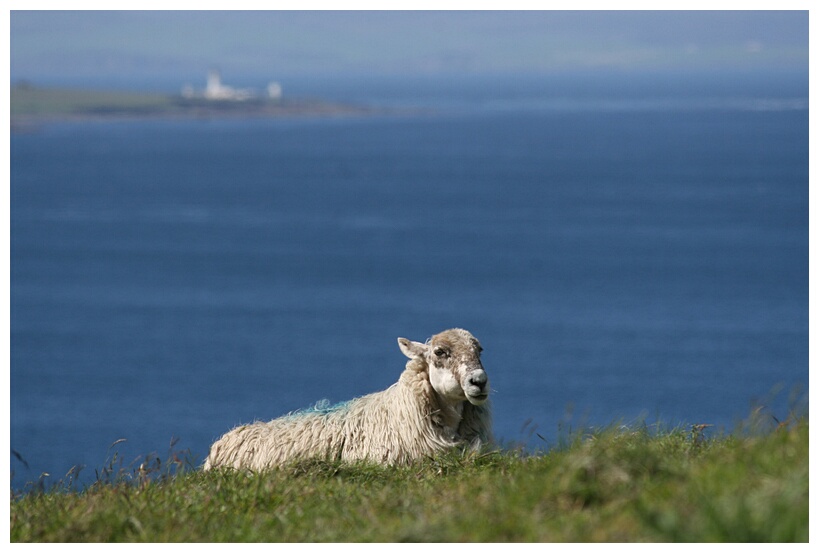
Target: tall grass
pixel 615 484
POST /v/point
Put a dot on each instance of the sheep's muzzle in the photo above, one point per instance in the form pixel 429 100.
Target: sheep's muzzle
pixel 476 386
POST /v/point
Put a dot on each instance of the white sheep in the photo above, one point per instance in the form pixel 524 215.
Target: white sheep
pixel 440 401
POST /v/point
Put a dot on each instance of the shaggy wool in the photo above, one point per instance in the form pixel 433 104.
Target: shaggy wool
pixel 406 421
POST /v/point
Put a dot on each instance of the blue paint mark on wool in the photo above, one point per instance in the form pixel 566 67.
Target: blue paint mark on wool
pixel 322 407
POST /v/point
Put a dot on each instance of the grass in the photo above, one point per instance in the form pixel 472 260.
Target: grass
pixel 612 485
pixel 31 104
pixel 30 101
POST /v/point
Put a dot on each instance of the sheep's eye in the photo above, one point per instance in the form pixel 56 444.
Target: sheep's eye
pixel 440 352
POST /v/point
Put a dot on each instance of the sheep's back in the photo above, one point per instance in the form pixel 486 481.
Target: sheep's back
pixel 393 426
pixel 263 445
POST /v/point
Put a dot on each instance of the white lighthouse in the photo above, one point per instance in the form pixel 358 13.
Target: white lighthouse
pixel 274 91
pixel 215 90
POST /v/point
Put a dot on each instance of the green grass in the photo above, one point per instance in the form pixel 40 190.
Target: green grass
pixel 31 105
pixel 43 102
pixel 618 484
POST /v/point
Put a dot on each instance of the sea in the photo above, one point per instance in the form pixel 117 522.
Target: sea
pixel 630 251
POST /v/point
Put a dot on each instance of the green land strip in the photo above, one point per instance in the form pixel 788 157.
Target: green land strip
pixel 614 485
pixel 36 105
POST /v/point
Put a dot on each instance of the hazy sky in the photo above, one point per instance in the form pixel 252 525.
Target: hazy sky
pixel 158 45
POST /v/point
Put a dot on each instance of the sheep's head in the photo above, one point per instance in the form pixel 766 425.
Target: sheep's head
pixel 453 359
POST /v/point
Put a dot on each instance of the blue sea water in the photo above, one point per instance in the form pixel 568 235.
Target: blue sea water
pixel 623 257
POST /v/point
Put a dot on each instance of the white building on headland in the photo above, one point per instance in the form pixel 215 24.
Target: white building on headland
pixel 215 90
pixel 274 91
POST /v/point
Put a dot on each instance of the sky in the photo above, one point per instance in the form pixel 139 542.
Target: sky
pixel 122 46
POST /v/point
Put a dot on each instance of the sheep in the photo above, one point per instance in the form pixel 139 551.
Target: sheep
pixel 441 401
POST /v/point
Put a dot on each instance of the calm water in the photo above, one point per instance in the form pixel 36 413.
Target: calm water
pixel 622 258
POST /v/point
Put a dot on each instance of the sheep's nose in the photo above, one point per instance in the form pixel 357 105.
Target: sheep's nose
pixel 478 379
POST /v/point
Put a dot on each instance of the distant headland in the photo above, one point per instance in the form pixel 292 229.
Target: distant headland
pixel 32 105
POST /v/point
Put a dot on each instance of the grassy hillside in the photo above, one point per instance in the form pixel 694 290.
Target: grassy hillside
pixel 613 485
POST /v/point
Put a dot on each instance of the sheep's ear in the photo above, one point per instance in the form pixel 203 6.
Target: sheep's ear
pixel 411 349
